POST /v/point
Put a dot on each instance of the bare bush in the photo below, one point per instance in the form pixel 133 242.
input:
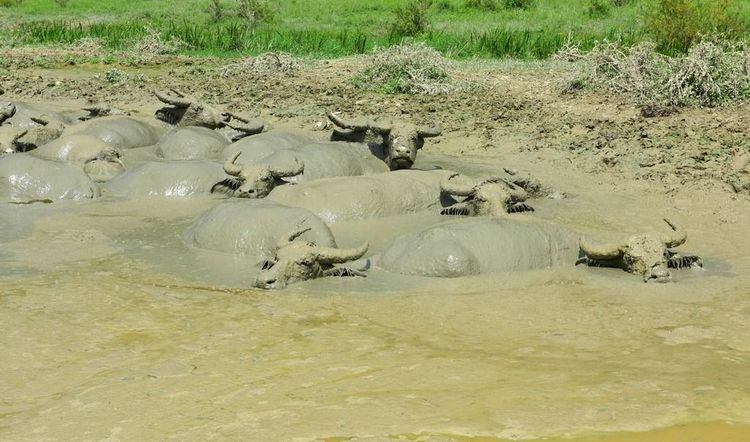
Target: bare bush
pixel 153 45
pixel 91 46
pixel 410 69
pixel 264 64
pixel 712 73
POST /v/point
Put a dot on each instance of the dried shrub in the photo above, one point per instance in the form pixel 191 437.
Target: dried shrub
pixel 410 19
pixel 153 46
pixel 410 69
pixel 115 75
pixel 264 64
pixel 713 72
pixel 91 46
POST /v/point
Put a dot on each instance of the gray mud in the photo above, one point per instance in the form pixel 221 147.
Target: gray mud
pixel 113 328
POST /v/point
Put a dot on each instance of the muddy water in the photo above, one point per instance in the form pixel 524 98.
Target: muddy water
pixel 113 329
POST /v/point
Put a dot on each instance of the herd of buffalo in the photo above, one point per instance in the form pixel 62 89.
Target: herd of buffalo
pixel 278 192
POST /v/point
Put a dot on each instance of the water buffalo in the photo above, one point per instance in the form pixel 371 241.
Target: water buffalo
pixel 118 131
pixel 299 260
pixel 493 196
pixel 343 157
pixel 648 254
pixel 25 179
pixel 471 246
pixel 191 143
pixel 185 111
pixel 362 197
pixel 173 179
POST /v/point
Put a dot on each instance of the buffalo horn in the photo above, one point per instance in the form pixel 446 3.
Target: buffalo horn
pixel 431 132
pixel 232 169
pixel 678 237
pixel 297 169
pixel 327 255
pixel 453 188
pixel 292 236
pixel 338 121
pixel 178 99
pixel 601 251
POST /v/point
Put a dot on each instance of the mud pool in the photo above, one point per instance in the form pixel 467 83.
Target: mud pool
pixel 114 329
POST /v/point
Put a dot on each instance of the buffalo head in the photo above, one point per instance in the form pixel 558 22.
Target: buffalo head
pixel 182 110
pixel 491 197
pixel 644 254
pixel 400 142
pixel 302 260
pixel 254 180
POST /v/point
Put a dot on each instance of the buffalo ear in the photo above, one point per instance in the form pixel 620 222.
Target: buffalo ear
pixel 266 264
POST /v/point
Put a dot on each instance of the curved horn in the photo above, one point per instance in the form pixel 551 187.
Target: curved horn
pixel 453 188
pixel 297 169
pixel 338 121
pixel 434 131
pixel 327 255
pixel 677 238
pixel 232 169
pixel 179 99
pixel 40 120
pixel 7 110
pixel 517 193
pixel 379 130
pixel 292 236
pixel 248 128
pixel 19 135
pixel 601 251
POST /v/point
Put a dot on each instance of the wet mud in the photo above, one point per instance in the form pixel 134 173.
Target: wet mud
pixel 114 328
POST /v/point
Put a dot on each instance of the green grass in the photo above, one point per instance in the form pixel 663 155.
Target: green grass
pixel 327 27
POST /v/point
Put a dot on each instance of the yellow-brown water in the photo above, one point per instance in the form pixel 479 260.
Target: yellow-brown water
pixel 111 331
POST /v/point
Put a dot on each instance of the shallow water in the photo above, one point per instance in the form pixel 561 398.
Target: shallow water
pixel 113 329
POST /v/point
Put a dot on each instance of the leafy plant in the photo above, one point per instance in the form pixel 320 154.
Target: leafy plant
pixel 676 24
pixel 255 11
pixel 10 3
pixel 519 4
pixel 216 10
pixel 411 19
pixel 598 8
pixel 487 5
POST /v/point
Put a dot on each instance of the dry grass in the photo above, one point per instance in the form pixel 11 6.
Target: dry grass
pixel 153 46
pixel 713 72
pixel 269 63
pixel 410 69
